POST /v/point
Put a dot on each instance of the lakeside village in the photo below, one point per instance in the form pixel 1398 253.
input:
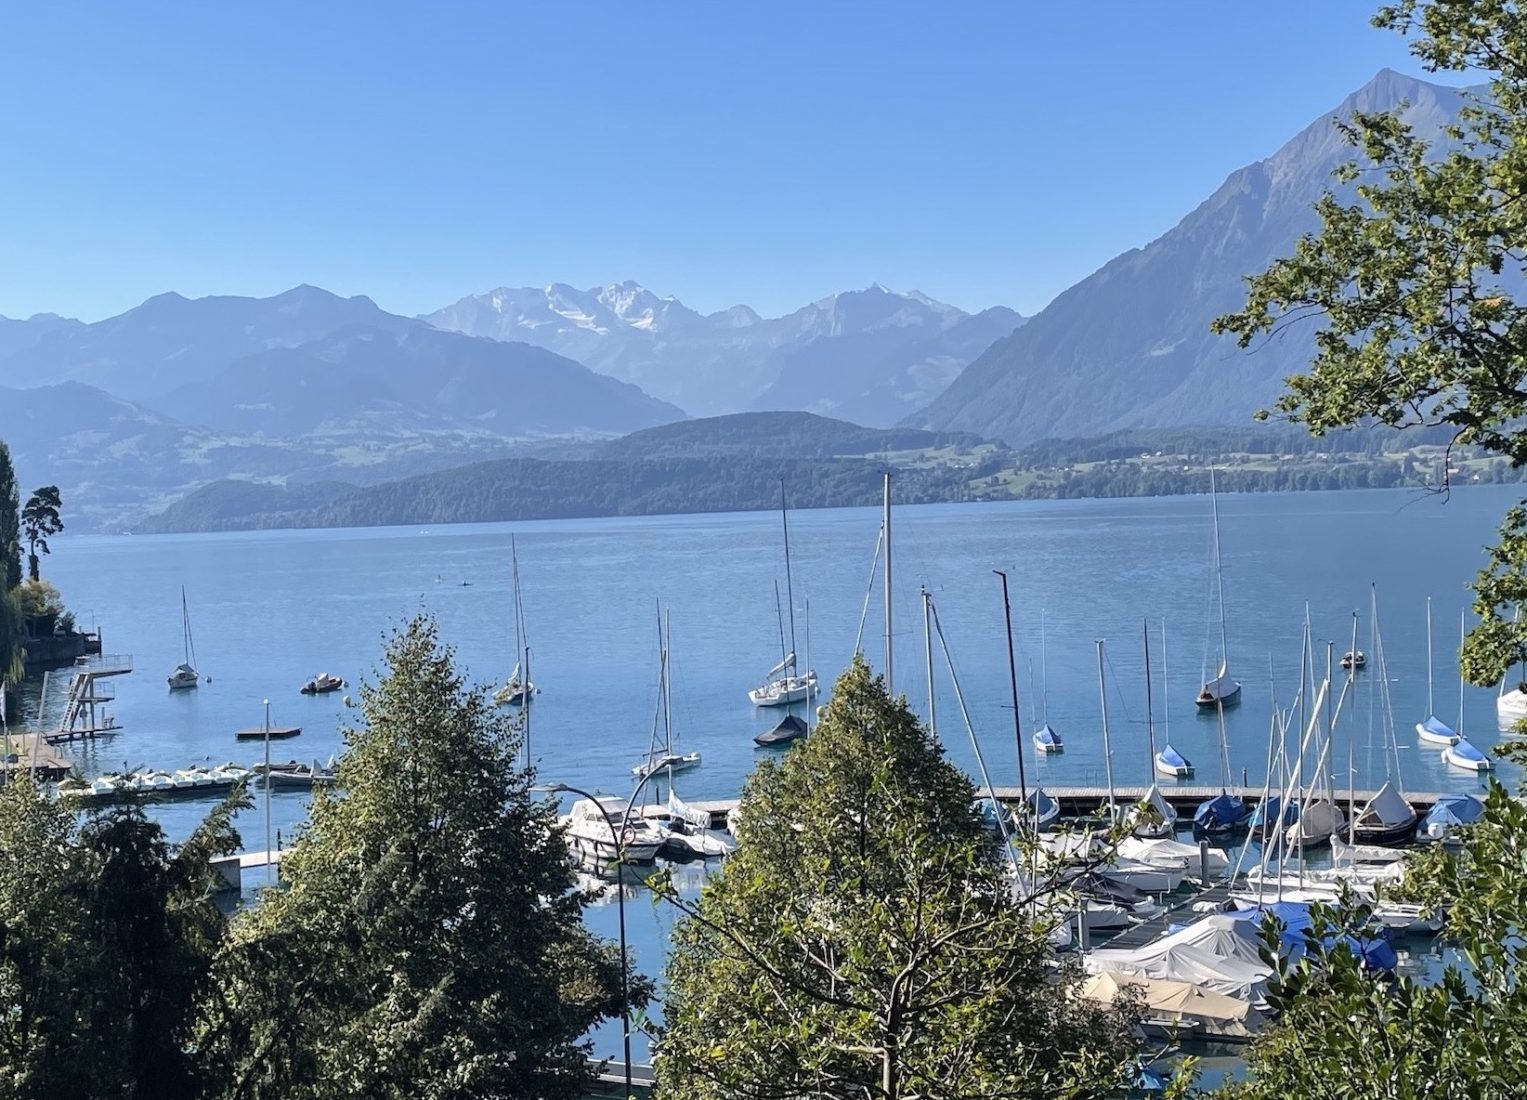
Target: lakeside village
pixel 1155 898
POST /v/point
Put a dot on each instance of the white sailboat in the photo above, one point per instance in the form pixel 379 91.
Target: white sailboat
pixel 1046 739
pixel 185 677
pixel 1222 690
pixel 663 756
pixel 1433 731
pixel 1170 762
pixel 1463 754
pixel 1387 818
pixel 517 690
pixel 784 684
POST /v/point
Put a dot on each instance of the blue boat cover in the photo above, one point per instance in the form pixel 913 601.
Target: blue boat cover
pixel 1437 726
pixel 1465 748
pixel 1272 810
pixel 1222 810
pixel 1375 951
pixel 1047 736
pixel 1173 759
pixel 1456 809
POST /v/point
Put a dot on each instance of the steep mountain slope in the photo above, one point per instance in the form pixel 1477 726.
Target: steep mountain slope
pixel 405 376
pixel 1130 346
pixel 170 341
pixel 19 335
pixel 773 435
pixel 875 341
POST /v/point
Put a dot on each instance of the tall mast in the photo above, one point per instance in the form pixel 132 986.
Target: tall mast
pixel 514 573
pixel 808 661
pixel 1044 674
pixel 1431 709
pixel 1463 636
pixel 1150 721
pixel 1107 746
pixel 1219 577
pixel 928 661
pixel 784 520
pixel 1012 676
pixel 1166 689
pixel 887 526
pixel 667 681
pixel 779 615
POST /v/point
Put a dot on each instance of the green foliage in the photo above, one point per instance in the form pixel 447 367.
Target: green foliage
pixel 13 633
pixel 38 598
pixel 865 942
pixel 107 935
pixel 428 941
pixel 39 522
pixel 1415 281
pixel 10 523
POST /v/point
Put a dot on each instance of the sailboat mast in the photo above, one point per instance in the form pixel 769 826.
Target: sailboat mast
pixel 525 706
pixel 886 522
pixel 1219 576
pixel 1150 721
pixel 808 661
pixel 1463 636
pixel 779 615
pixel 928 661
pixel 784 520
pixel 667 682
pixel 1012 677
pixel 1044 674
pixel 1166 689
pixel 1431 709
pixel 514 575
pixel 1107 746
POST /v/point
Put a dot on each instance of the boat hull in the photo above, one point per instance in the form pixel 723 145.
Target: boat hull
pixel 782 693
pixel 1209 697
pixel 1425 735
pixel 1464 763
pixel 1398 834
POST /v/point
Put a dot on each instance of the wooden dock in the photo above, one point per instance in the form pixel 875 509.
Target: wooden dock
pixel 31 753
pixel 1089 801
pixel 275 733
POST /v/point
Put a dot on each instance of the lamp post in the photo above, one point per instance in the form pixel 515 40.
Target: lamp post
pixel 620 903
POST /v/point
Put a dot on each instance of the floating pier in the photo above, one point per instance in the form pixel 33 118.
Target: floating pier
pixel 275 733
pixel 31 754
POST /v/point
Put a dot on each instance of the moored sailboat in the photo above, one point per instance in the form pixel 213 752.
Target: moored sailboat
pixel 1387 818
pixel 785 684
pixel 1046 739
pixel 1222 690
pixel 517 690
pixel 1168 762
pixel 664 757
pixel 1433 730
pixel 185 677
pixel 1153 816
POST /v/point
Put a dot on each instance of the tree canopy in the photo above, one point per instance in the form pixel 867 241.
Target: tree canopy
pixel 428 940
pixel 865 940
pixel 40 521
pixel 1415 277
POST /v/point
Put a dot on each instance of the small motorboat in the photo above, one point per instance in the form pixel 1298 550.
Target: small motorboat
pixel 666 762
pixel 1173 765
pixel 1354 658
pixel 1436 732
pixel 1464 755
pixel 790 729
pixel 293 775
pixel 322 684
pixel 1449 813
pixel 1046 740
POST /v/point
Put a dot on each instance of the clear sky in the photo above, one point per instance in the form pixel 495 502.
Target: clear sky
pixel 767 153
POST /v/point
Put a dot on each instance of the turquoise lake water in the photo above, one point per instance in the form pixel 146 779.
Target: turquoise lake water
pixel 270 609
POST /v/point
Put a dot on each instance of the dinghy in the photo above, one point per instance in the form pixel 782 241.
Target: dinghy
pixel 790 729
pixel 1173 765
pixel 1465 756
pixel 1386 819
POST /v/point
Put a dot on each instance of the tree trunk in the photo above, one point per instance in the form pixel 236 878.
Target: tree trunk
pixel 33 563
pixel 890 1072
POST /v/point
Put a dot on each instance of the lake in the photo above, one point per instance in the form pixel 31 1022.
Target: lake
pixel 270 609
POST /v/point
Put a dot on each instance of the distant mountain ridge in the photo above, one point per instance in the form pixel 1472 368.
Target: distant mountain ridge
pixel 1129 346
pixel 869 355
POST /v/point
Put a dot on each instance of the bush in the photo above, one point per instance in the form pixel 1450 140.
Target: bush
pixel 39 599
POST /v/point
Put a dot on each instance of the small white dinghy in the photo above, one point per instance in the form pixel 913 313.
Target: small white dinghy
pixel 1466 756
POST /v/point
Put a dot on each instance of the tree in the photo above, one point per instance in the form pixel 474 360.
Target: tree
pixel 428 940
pixel 10 523
pixel 1346 1032
pixel 107 935
pixel 1415 280
pixel 864 941
pixel 40 522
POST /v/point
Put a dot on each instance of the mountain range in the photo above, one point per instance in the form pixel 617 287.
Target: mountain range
pixel 1129 346
pixel 871 356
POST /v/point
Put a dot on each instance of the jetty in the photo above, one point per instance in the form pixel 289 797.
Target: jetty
pixel 274 733
pixel 1090 801
pixel 84 716
pixel 31 754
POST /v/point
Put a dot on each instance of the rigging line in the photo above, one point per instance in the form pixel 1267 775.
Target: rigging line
pixel 869 593
pixel 975 744
pixel 784 519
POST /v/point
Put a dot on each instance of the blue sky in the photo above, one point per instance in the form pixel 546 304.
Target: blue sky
pixel 764 153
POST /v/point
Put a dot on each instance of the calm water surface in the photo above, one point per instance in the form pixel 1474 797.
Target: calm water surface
pixel 270 609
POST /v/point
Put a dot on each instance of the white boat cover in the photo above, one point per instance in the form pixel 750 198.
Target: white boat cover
pixel 1387 809
pixel 1221 687
pixel 1342 852
pixel 700 819
pixel 1172 853
pixel 1317 822
pixel 1154 799
pixel 1216 952
pixel 1210 1012
pixel 788 662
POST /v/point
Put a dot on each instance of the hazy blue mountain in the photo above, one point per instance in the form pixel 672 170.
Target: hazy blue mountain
pixel 1129 346
pixel 773 435
pixel 18 335
pixel 855 354
pixel 878 376
pixel 170 341
pixel 405 376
